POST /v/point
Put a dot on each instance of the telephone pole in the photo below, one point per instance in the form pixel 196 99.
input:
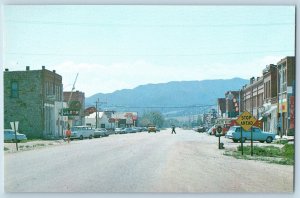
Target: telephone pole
pixel 98 103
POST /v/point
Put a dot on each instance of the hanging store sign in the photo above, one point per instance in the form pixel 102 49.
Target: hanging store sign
pixel 70 112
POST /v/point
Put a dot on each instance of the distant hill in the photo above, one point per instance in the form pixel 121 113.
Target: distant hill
pixel 171 94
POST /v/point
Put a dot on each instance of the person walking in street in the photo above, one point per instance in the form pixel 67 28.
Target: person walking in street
pixel 173 129
pixel 68 134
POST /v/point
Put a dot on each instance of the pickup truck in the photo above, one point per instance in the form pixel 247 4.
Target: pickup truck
pixel 234 133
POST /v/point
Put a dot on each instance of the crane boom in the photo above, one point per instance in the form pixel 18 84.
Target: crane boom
pixel 73 88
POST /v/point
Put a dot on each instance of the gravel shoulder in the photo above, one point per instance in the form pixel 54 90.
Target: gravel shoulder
pixel 199 166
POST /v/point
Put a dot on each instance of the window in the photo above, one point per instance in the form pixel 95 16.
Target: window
pixel 14 89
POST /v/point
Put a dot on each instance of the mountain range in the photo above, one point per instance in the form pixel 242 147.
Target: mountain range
pixel 168 97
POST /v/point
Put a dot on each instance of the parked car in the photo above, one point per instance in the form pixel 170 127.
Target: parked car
pixel 135 129
pixel 129 130
pixel 201 129
pixel 119 131
pixel 139 129
pixel 80 132
pixel 101 132
pixel 9 136
pixel 234 133
pixel 210 130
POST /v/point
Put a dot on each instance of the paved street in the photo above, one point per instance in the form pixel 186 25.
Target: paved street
pixel 142 162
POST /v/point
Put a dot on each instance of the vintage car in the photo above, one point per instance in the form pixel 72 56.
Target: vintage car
pixel 10 136
pixel 80 132
pixel 234 133
pixel 151 128
pixel 100 132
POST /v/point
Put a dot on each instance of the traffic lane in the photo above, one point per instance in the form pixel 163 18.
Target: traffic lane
pixel 70 168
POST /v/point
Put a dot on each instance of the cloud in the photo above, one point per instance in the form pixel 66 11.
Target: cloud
pixel 99 78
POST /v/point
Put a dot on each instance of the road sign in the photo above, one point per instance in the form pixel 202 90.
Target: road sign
pixel 219 129
pixel 246 120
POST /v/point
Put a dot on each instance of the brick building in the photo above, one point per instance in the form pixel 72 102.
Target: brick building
pixel 221 107
pixel 33 97
pixel 252 96
pixel 232 103
pixel 76 105
pixel 286 95
pixel 268 111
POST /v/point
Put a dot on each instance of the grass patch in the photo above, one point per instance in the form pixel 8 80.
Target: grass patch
pixel 272 154
pixel 282 142
pixel 6 149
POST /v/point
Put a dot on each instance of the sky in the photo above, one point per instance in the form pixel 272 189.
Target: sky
pixel 120 47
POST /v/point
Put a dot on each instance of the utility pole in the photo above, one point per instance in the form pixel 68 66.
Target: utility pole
pixel 98 103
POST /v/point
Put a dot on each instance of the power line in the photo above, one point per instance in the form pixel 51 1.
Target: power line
pixel 148 25
pixel 156 55
pixel 160 107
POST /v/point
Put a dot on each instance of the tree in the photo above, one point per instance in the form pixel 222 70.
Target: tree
pixel 153 117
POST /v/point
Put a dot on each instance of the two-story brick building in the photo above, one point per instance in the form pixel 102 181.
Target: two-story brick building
pixel 286 79
pixel 268 111
pixel 32 97
pixel 252 96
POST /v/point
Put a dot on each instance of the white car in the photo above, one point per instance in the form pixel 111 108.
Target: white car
pixel 80 132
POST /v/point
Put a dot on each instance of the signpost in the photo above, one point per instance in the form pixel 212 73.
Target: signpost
pixel 246 121
pixel 219 130
pixel 14 126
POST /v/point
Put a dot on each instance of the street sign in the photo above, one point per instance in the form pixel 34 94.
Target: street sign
pixel 246 120
pixel 219 129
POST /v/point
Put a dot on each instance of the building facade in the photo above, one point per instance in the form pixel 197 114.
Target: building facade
pixel 76 107
pixel 221 107
pixel 252 96
pixel 286 95
pixel 31 98
pixel 112 119
pixel 268 111
pixel 232 103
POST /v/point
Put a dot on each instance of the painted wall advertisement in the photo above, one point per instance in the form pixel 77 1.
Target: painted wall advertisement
pixel 292 112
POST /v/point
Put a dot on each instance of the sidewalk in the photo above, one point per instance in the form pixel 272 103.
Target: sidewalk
pixel 31 145
pixel 289 138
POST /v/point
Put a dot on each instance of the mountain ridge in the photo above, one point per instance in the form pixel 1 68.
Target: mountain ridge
pixel 173 93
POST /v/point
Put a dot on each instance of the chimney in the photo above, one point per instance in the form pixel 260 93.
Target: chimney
pixel 6 70
pixel 54 71
pixel 27 68
pixel 252 80
pixel 43 67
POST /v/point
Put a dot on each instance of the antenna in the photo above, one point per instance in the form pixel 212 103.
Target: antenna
pixel 73 88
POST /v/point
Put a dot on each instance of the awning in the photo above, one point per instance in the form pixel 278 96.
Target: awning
pixel 267 113
pixel 263 118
